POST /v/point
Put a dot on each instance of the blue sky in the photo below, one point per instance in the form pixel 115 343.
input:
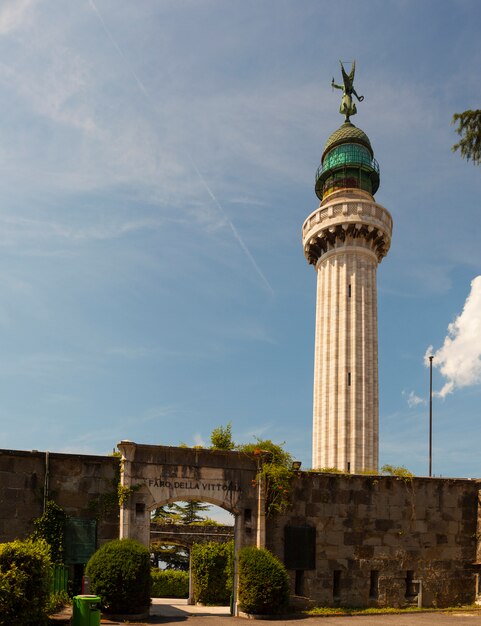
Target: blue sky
pixel 157 162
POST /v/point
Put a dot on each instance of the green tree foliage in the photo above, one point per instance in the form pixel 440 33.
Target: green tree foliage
pixel 189 512
pixel 213 572
pixel 170 556
pixel 268 451
pixel 397 470
pixel 170 584
pixel 181 513
pixel 51 527
pixel 263 582
pixel 165 514
pixel 221 438
pixel 24 582
pixel 469 129
pixel 120 575
pixel 275 469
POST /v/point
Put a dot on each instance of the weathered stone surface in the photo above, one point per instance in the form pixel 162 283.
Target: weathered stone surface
pixel 70 484
pixel 403 531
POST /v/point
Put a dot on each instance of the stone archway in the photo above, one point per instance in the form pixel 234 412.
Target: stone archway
pixel 151 476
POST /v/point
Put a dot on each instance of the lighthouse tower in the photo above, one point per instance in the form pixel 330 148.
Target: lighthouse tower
pixel 345 239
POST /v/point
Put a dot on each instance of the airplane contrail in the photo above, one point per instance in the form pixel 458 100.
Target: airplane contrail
pixel 234 230
pixel 118 48
pixel 146 94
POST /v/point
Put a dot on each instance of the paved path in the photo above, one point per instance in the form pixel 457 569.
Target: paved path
pixel 168 607
pixel 170 611
pixel 178 610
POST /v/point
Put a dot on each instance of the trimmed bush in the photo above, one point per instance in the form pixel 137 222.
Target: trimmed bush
pixel 263 582
pixel 170 583
pixel 24 582
pixel 120 574
pixel 212 572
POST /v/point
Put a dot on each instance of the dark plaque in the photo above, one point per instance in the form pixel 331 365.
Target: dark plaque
pixel 300 547
pixel 80 540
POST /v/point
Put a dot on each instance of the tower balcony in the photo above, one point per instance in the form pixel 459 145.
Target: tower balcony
pixel 348 218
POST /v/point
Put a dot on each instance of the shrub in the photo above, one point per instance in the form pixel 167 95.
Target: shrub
pixel 397 470
pixel 212 572
pixel 170 583
pixel 120 575
pixel 24 582
pixel 221 438
pixel 263 582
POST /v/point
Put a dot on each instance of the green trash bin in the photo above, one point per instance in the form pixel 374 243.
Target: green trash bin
pixel 86 611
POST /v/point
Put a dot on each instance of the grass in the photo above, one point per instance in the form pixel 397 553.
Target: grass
pixel 325 611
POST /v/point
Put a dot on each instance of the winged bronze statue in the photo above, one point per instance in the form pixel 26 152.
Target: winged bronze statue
pixel 348 106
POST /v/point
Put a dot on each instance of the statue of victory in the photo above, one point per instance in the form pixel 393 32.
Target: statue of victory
pixel 348 107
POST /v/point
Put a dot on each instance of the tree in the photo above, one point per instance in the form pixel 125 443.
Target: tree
pixel 221 438
pixel 469 129
pixel 165 514
pixel 171 556
pixel 188 512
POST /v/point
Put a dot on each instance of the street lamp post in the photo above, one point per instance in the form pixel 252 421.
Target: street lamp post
pixel 430 416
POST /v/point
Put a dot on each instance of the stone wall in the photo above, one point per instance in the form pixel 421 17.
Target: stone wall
pixel 375 535
pixel 84 486
pixel 354 540
pixel 187 535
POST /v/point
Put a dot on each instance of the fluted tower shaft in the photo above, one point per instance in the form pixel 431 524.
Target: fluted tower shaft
pixel 346 238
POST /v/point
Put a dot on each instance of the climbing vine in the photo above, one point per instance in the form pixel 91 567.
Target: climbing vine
pixel 124 493
pixel 50 526
pixel 274 470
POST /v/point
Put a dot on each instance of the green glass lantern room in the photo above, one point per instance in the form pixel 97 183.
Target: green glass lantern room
pixel 347 162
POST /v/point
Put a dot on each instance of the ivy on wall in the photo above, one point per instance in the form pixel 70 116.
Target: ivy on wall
pixel 50 526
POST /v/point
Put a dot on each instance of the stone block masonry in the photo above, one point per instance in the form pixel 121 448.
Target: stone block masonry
pixel 375 535
pixel 81 484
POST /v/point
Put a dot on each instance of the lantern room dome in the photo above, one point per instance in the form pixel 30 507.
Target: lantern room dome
pixel 347 133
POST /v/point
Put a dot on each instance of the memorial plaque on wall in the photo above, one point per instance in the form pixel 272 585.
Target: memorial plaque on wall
pixel 80 540
pixel 300 547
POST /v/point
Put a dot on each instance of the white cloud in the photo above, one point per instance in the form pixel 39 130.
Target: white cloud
pixel 57 87
pixel 459 359
pixel 413 400
pixel 18 229
pixel 14 14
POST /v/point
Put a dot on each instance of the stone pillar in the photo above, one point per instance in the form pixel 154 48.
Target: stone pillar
pixel 190 599
pixel 261 512
pixel 127 449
